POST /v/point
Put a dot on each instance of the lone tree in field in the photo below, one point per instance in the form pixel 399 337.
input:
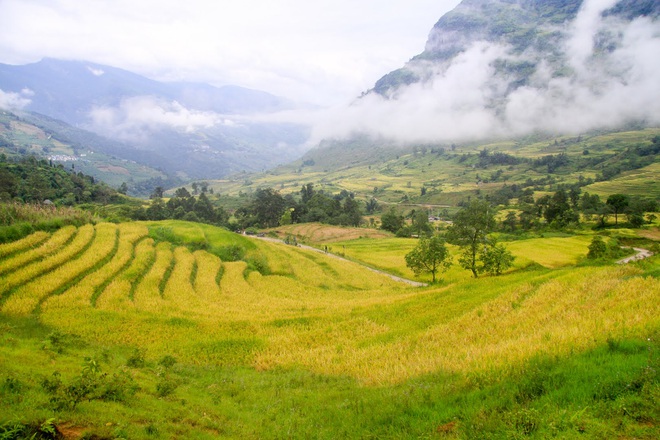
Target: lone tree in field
pixel 617 203
pixel 472 224
pixel 430 255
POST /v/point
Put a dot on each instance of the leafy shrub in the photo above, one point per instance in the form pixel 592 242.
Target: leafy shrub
pixel 259 263
pixel 136 359
pixel 597 248
pixel 167 361
pixel 166 386
pixel 232 252
pixel 38 430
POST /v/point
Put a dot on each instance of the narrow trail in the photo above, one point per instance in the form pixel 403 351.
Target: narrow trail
pixel 310 248
pixel 640 255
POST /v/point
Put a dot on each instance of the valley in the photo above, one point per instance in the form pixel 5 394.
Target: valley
pixel 466 247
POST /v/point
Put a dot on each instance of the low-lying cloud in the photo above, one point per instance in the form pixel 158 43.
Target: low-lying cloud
pixel 13 101
pixel 135 118
pixel 469 100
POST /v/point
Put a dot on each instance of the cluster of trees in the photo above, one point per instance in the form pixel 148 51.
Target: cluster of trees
pixel 35 180
pixel 470 231
pixel 566 207
pixel 183 206
pixel 268 208
pixel 419 223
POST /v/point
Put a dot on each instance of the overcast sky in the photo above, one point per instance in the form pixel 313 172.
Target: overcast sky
pixel 323 51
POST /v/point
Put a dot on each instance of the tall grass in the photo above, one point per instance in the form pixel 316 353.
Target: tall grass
pixel 179 290
pixel 85 293
pixel 206 280
pixel 147 295
pixel 53 244
pixel 118 293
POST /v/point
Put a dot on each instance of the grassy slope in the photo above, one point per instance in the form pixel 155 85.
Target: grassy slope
pixel 402 172
pixel 323 348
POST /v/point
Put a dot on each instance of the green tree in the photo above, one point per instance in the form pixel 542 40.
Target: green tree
pixel 597 248
pixel 420 223
pixel 307 192
pixel 157 210
pixel 617 203
pixel 391 221
pixel 430 255
pixel 496 258
pixel 510 222
pixel 204 209
pixel 371 206
pixel 267 207
pixel 286 218
pixel 470 229
pixel 351 215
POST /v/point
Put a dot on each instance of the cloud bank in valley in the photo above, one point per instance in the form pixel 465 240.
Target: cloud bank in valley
pixel 469 100
pixel 136 118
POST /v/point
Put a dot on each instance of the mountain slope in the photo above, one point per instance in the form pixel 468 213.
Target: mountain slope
pixel 192 130
pixel 535 30
pixel 32 134
pixel 69 90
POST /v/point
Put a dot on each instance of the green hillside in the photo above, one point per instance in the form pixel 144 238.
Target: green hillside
pixel 75 149
pixel 180 330
pixel 601 163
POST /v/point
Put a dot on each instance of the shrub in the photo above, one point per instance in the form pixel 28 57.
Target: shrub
pixel 166 386
pixel 167 361
pixel 136 359
pixel 597 248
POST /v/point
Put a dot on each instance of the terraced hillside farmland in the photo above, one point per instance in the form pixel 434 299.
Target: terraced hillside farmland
pixel 442 175
pixel 148 330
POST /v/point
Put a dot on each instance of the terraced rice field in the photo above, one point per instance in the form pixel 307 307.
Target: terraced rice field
pixel 114 284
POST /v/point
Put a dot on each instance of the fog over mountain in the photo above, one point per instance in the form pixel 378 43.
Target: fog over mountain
pixel 512 67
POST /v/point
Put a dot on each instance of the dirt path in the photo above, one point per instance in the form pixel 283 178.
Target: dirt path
pixel 309 248
pixel 640 255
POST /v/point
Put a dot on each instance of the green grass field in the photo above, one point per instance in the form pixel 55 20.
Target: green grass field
pixel 145 330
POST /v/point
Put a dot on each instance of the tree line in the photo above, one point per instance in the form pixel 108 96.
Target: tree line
pixel 33 180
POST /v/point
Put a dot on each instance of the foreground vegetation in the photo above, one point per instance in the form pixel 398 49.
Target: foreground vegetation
pixel 173 327
pixel 176 329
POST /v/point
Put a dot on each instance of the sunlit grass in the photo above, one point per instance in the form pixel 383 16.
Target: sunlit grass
pixel 551 252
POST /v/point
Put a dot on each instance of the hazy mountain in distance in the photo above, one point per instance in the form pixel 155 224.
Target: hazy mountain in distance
pixel 200 130
pixel 68 90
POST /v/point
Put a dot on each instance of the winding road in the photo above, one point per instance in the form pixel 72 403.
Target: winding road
pixel 640 255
